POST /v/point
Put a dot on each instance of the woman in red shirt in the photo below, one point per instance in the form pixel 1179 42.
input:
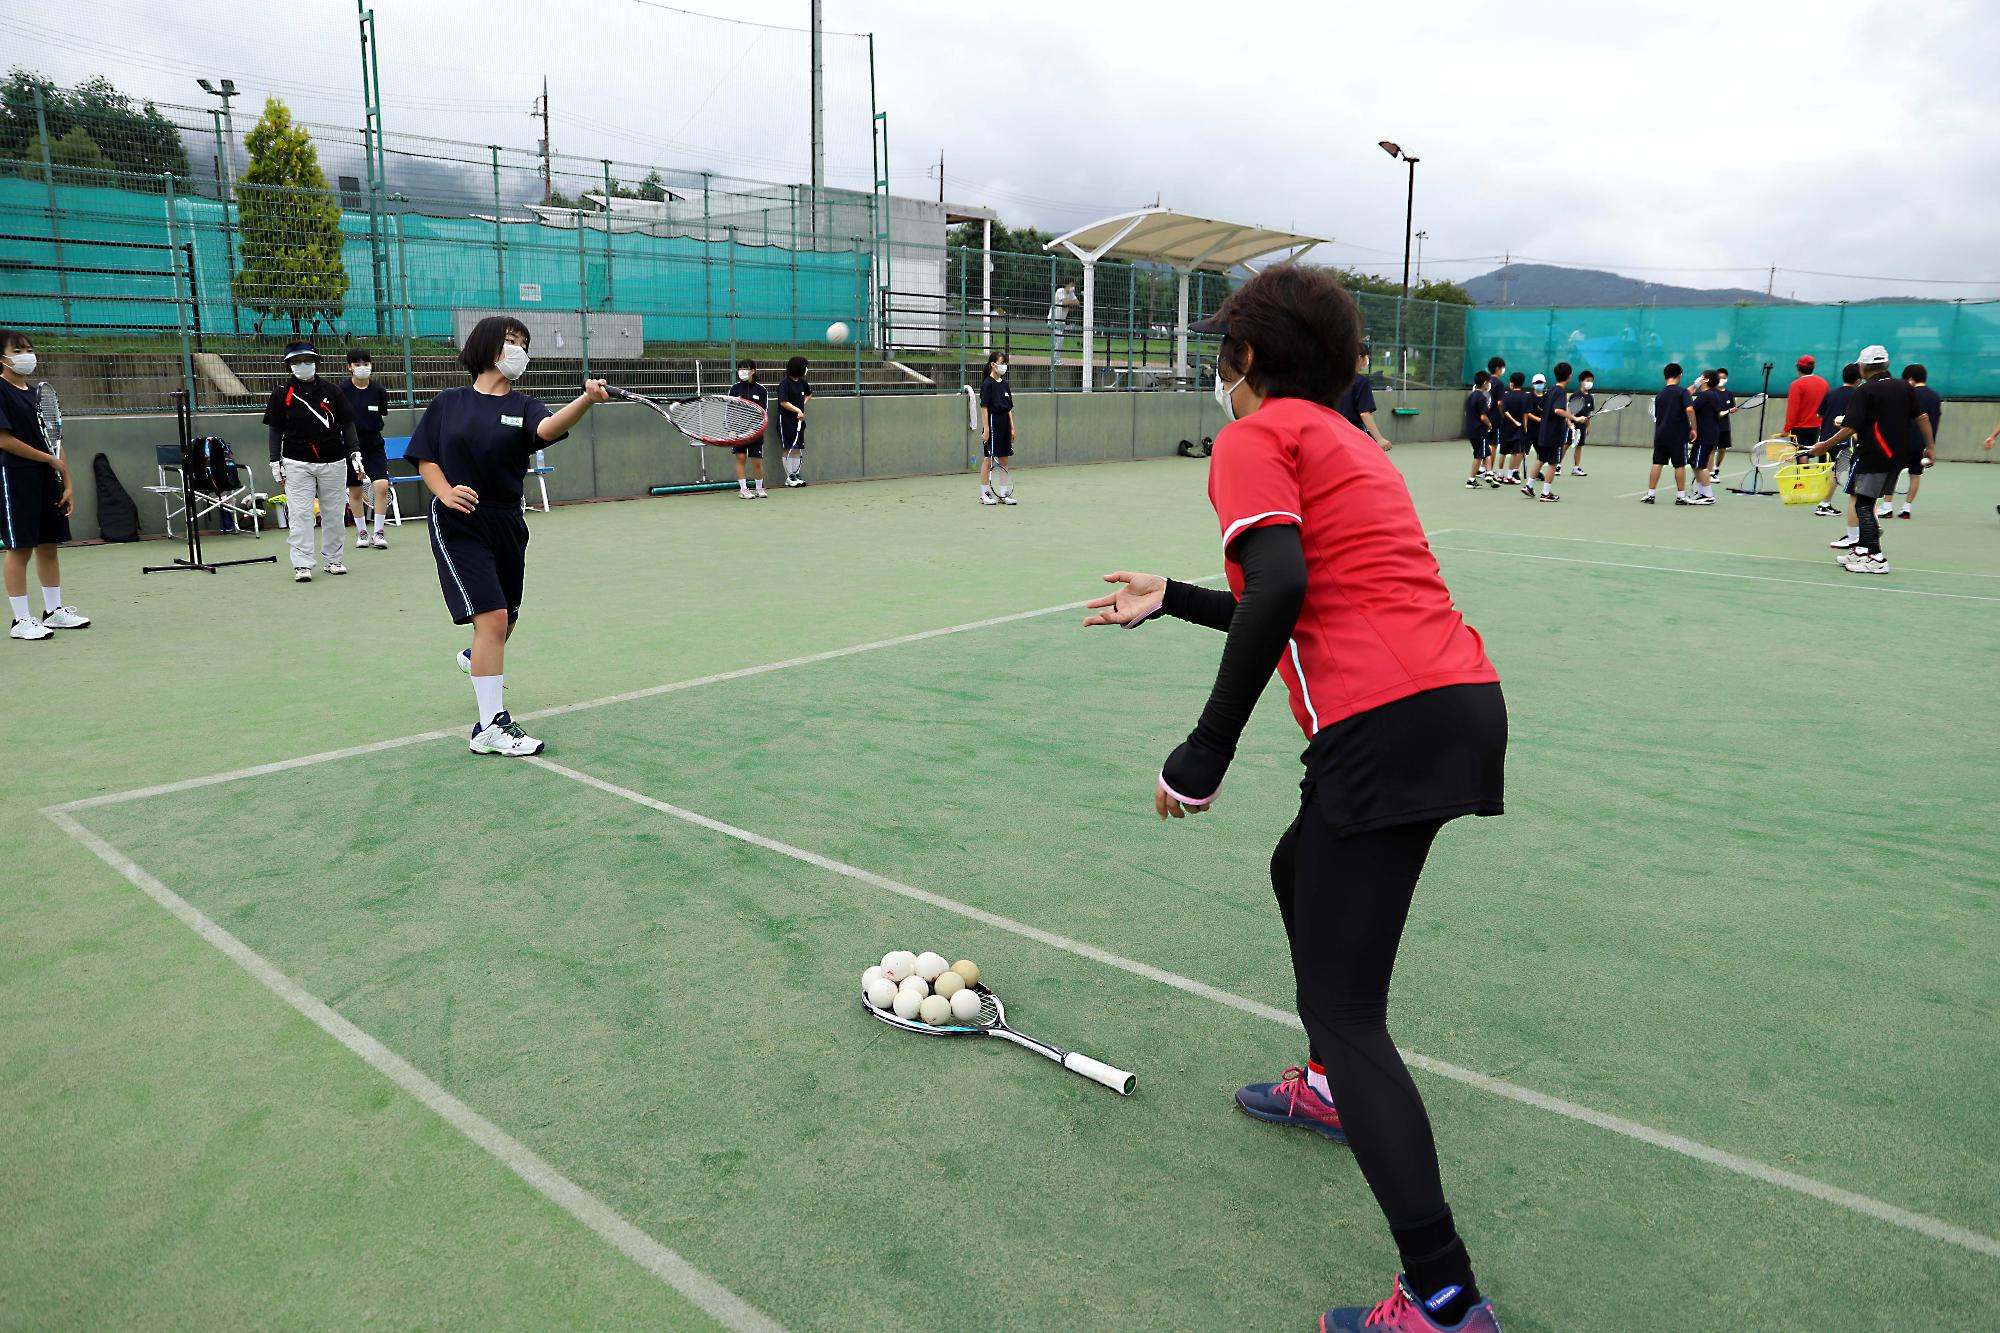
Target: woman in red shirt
pixel 1332 583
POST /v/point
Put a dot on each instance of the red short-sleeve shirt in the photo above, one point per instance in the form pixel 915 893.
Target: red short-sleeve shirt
pixel 1378 623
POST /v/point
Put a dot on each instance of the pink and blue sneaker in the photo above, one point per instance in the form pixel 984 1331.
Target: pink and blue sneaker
pixel 1404 1313
pixel 1292 1101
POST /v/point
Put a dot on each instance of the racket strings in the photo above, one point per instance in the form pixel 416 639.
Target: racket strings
pixel 718 420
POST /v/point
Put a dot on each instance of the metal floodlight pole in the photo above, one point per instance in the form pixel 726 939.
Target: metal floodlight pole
pixel 818 118
pixel 55 213
pixel 1395 150
pixel 225 143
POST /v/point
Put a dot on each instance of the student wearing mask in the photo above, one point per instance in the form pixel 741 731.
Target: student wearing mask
pixel 1673 432
pixel 1479 429
pixel 1358 403
pixel 311 433
pixel 1721 386
pixel 1538 389
pixel 1513 426
pixel 368 404
pixel 1707 430
pixel 1406 727
pixel 472 447
pixel 751 455
pixel 36 498
pixel 996 425
pixel 793 395
pixel 1585 383
pixel 1931 404
pixel 1554 423
pixel 1496 385
pixel 1890 432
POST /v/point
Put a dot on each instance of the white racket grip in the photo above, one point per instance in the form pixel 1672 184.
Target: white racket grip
pixel 1098 1072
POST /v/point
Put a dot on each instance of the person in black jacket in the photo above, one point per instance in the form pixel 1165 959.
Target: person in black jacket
pixel 309 427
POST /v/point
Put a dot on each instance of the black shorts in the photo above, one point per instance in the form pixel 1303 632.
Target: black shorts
pixel 1704 450
pixel 1549 453
pixel 997 447
pixel 1916 468
pixel 754 449
pixel 1806 436
pixel 1437 754
pixel 374 461
pixel 482 559
pixel 1481 448
pixel 31 508
pixel 791 431
pixel 1673 451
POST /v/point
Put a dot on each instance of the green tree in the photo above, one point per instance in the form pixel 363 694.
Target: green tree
pixel 289 225
pixel 75 150
pixel 1443 290
pixel 135 138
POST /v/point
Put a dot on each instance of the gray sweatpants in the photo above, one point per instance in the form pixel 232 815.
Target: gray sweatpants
pixel 328 483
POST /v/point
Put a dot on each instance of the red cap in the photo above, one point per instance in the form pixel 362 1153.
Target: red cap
pixel 1806 362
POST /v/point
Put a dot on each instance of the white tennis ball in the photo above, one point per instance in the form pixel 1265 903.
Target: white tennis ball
pixel 948 984
pixel 929 965
pixel 907 1004
pixel 836 333
pixel 871 976
pixel 898 963
pixel 935 1010
pixel 965 1005
pixel 967 970
pixel 916 986
pixel 882 993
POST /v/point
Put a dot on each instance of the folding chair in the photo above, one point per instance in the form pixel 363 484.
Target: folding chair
pixel 539 472
pixel 242 503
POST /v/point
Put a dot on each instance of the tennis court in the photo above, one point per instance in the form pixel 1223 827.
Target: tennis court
pixel 1706 1023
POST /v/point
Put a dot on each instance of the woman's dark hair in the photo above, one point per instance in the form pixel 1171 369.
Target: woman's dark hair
pixel 747 364
pixel 796 367
pixel 1672 371
pixel 1563 369
pixel 12 338
pixel 1479 378
pixel 1850 372
pixel 1915 373
pixel 991 357
pixel 357 355
pixel 1303 329
pixel 483 344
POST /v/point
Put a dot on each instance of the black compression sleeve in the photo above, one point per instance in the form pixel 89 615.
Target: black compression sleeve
pixel 1274 588
pixel 351 436
pixel 1213 607
pixel 275 437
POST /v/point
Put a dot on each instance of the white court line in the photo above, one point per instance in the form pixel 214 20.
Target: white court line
pixel 651 691
pixel 1921 1223
pixel 728 1309
pixel 1870 586
pixel 1696 550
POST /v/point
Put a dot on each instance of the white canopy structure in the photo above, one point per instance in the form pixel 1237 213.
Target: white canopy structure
pixel 1181 241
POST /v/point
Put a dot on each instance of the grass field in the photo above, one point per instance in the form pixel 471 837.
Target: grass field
pixel 1706 1023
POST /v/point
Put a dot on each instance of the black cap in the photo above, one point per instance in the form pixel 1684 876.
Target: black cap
pixel 300 348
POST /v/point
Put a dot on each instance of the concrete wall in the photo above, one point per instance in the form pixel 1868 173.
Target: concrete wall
pixel 621 450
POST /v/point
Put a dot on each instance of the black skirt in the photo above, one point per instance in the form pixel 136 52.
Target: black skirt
pixel 1433 756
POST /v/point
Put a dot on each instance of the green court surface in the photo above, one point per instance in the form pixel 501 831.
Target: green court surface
pixel 1706 1023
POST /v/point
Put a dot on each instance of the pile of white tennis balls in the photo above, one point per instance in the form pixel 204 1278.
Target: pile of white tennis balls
pixel 923 985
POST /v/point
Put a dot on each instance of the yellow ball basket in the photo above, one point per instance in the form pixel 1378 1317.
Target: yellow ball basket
pixel 1805 483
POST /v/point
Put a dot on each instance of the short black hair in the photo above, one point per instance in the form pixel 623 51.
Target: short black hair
pixel 1722 370
pixel 1302 328
pixel 11 338
pixel 796 367
pixel 1586 374
pixel 1517 379
pixel 357 355
pixel 1850 372
pixel 1672 371
pixel 1496 363
pixel 746 363
pixel 483 344
pixel 1562 371
pixel 1915 373
pixel 1480 377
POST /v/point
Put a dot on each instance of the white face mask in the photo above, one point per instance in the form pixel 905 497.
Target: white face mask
pixel 743 375
pixel 1722 383
pixel 304 370
pixel 1000 370
pixel 1223 398
pixel 1587 384
pixel 513 362
pixel 22 364
pixel 361 372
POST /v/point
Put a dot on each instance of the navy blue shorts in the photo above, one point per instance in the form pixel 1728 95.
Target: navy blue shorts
pixel 1704 450
pixel 754 449
pixel 997 447
pixel 791 431
pixel 374 461
pixel 1481 446
pixel 482 560
pixel 31 508
pixel 1674 451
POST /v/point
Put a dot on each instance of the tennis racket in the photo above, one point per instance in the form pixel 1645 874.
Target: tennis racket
pixel 992 1022
pixel 704 419
pixel 1743 404
pixel 1002 479
pixel 1615 403
pixel 49 408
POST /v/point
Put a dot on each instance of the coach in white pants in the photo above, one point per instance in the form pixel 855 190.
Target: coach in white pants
pixel 311 433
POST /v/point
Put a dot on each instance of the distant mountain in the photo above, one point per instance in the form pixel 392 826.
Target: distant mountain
pixel 1545 284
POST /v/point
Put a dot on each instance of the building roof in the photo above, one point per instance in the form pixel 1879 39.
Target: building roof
pixel 1163 236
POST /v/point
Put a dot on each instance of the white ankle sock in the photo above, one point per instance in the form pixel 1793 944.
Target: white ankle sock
pixel 20 605
pixel 1855 533
pixel 52 597
pixel 1316 1080
pixel 488 691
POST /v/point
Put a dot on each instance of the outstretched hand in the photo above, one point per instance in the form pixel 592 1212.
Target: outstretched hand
pixel 1140 596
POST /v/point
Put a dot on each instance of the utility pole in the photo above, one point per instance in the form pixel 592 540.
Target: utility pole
pixel 1771 282
pixel 940 175
pixel 1506 263
pixel 542 110
pixel 818 119
pixel 1422 236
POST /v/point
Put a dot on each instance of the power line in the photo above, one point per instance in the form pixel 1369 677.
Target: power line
pixel 746 23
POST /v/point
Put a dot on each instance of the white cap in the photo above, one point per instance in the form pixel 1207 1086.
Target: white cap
pixel 1876 355
pixel 1539 378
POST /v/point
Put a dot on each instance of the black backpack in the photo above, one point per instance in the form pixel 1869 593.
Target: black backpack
pixel 117 516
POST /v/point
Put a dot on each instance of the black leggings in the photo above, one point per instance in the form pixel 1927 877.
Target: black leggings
pixel 1344 901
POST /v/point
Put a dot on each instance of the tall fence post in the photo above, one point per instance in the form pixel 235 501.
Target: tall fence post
pixel 1431 369
pixel 582 297
pixel 409 319
pixel 963 330
pixel 860 309
pixel 180 305
pixel 499 236
pixel 610 292
pixel 224 180
pixel 55 214
pixel 729 234
pixel 707 270
pixel 795 262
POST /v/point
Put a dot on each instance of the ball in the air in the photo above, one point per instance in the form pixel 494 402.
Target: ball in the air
pixel 964 1005
pixel 968 971
pixel 871 976
pixel 897 964
pixel 929 965
pixel 907 1004
pixel 836 333
pixel 916 986
pixel 882 993
pixel 935 1010
pixel 948 984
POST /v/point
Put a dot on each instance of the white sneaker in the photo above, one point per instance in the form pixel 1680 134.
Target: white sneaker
pixel 28 629
pixel 464 659
pixel 1867 564
pixel 380 542
pixel 760 493
pixel 503 735
pixel 1701 499
pixel 1824 511
pixel 743 494
pixel 65 617
pixel 1578 472
pixel 302 576
pixel 988 498
pixel 1843 543
pixel 1008 499
pixel 336 568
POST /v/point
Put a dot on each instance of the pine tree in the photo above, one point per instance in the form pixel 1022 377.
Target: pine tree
pixel 289 224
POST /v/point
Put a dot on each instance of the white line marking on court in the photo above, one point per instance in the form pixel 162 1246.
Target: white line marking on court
pixel 397 742
pixel 1696 550
pixel 725 1306
pixel 1926 1225
pixel 1870 586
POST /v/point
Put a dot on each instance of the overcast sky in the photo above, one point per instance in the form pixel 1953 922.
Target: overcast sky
pixel 1688 143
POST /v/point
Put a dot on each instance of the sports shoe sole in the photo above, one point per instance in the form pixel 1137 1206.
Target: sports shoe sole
pixel 1294 1122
